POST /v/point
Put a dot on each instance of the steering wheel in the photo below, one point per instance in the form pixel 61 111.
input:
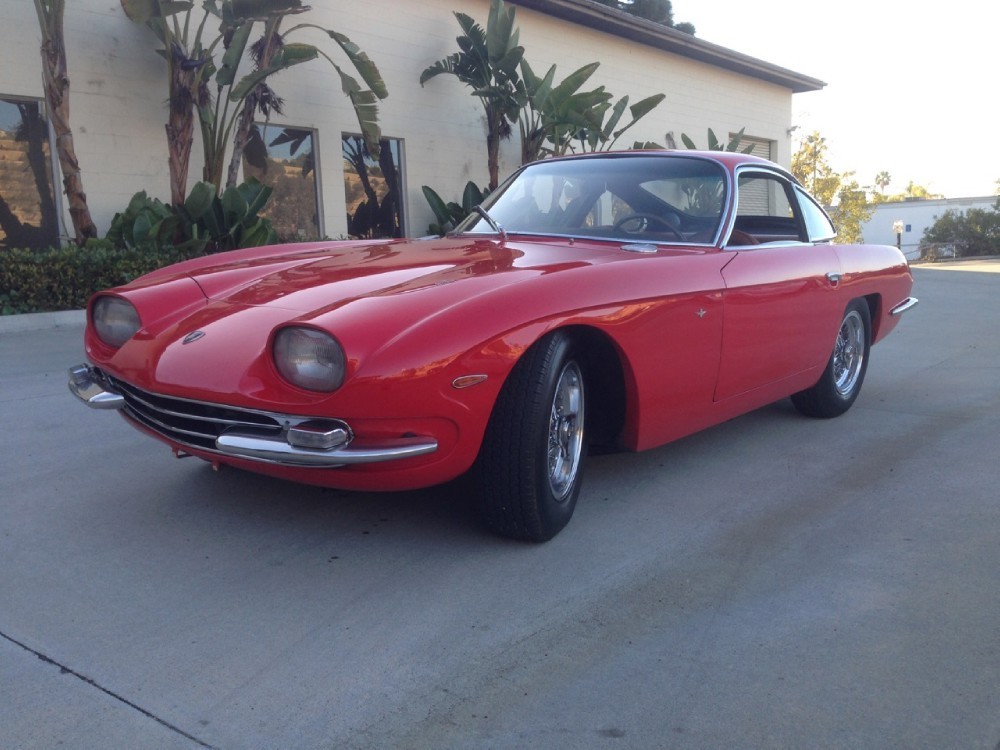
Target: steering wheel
pixel 643 221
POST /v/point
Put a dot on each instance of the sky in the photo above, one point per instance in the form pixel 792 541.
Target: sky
pixel 912 89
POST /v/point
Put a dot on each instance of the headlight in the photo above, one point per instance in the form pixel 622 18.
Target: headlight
pixel 115 320
pixel 309 358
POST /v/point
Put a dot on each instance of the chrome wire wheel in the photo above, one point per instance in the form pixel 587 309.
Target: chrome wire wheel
pixel 566 428
pixel 849 353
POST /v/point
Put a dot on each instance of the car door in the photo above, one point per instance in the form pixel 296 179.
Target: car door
pixel 782 302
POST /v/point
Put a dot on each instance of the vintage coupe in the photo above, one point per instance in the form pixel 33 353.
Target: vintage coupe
pixel 619 300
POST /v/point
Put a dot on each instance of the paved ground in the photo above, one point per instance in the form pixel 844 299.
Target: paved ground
pixel 774 582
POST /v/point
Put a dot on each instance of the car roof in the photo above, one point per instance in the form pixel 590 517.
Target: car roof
pixel 729 159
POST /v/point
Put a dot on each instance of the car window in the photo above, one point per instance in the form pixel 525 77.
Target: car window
pixel 818 224
pixel 622 197
pixel 767 209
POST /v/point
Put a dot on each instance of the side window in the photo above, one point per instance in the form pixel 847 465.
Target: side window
pixel 818 224
pixel 766 208
pixel 285 159
pixel 28 211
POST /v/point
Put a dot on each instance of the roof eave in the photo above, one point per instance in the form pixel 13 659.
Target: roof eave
pixel 602 18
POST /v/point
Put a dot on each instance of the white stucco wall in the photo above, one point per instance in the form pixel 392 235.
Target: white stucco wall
pixel 119 90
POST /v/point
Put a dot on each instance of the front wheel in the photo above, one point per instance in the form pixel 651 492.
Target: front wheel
pixel 840 384
pixel 530 466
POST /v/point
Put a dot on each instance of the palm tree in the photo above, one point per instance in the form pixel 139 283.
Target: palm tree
pixel 488 63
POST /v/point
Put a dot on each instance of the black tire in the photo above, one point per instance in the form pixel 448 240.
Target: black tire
pixel 531 463
pixel 840 384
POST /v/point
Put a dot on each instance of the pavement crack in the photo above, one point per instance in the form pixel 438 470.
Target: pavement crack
pixel 63 669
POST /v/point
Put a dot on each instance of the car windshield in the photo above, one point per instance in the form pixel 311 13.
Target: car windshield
pixel 623 197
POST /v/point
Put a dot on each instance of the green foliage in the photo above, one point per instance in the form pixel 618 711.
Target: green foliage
pixel 449 215
pixel 844 197
pixel 488 63
pixel 64 278
pixel 556 120
pixel 553 119
pixel 604 133
pixel 714 144
pixel 973 232
pixel 197 61
pixel 205 223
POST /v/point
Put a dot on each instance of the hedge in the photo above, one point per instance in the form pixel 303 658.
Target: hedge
pixel 64 278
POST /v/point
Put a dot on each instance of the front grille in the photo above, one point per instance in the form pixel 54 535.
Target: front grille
pixel 192 423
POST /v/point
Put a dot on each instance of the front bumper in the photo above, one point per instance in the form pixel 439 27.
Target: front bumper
pixel 268 437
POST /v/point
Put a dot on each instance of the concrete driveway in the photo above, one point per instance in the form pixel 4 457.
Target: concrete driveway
pixel 775 582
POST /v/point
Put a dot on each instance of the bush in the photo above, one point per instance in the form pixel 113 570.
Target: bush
pixel 970 233
pixel 64 278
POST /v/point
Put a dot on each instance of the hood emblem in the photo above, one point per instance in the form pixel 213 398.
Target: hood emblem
pixel 193 336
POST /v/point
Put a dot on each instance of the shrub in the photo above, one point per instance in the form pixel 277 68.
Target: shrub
pixel 64 278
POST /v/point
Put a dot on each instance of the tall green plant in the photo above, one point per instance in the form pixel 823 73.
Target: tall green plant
pixel 488 63
pixel 557 119
pixel 552 115
pixel 191 51
pixel 203 223
pixel 603 134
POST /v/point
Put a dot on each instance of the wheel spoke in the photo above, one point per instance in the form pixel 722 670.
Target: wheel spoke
pixel 848 354
pixel 565 438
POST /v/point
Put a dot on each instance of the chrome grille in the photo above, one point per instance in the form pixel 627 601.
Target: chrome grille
pixel 192 423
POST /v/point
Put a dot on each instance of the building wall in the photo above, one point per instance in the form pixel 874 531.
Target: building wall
pixel 119 89
pixel 917 217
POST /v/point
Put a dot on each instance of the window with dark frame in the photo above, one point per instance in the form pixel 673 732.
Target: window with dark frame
pixel 284 158
pixel 373 188
pixel 29 216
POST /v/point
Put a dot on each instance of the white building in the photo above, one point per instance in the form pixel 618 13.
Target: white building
pixel 437 132
pixel 914 217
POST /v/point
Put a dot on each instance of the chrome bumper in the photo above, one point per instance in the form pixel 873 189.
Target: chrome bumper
pixel 907 304
pixel 301 441
pixel 271 450
pixel 87 385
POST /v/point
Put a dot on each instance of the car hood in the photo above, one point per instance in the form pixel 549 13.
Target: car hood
pixel 318 280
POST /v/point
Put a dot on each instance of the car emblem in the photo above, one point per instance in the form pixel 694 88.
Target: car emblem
pixel 701 313
pixel 193 336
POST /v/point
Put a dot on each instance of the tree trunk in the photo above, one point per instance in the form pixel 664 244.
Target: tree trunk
pixel 56 84
pixel 493 148
pixel 180 123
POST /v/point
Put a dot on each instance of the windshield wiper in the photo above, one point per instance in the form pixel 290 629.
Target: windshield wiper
pixel 493 224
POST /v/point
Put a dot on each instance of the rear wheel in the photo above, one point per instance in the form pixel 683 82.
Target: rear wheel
pixel 531 463
pixel 840 384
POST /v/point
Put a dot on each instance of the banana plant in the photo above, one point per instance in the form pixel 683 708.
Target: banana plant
pixel 601 134
pixel 714 144
pixel 552 115
pixel 488 63
pixel 191 53
pixel 558 119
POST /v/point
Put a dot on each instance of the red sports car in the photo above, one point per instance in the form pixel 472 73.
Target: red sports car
pixel 621 300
